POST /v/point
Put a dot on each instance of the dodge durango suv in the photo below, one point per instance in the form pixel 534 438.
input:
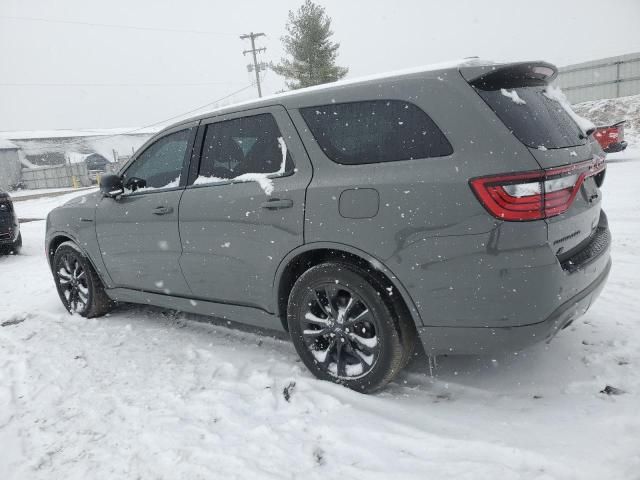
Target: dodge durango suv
pixel 457 207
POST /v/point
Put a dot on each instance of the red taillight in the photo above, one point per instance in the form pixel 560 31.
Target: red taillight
pixel 534 195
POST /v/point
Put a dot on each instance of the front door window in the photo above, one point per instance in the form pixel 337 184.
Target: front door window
pixel 160 165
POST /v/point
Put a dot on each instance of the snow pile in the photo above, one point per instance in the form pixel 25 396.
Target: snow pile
pixel 26 163
pixel 7 145
pixel 612 110
pixel 513 95
pixel 204 180
pixel 554 93
pixel 263 179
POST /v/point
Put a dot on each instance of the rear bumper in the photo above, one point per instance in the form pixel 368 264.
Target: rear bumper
pixel 532 296
pixel 615 147
pixel 9 234
pixel 480 340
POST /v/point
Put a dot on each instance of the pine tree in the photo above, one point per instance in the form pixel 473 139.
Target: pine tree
pixel 313 54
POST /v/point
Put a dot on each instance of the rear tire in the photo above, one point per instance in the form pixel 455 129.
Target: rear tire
pixel 79 287
pixel 345 328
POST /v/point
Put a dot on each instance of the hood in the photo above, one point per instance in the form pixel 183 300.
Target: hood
pixel 90 199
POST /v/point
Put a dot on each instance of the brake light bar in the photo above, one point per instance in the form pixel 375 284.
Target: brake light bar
pixel 534 195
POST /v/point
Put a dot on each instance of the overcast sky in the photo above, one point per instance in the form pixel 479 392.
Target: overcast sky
pixel 58 72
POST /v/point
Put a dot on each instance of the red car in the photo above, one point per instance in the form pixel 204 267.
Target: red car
pixel 611 138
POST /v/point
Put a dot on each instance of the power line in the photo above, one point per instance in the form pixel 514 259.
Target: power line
pixel 188 112
pixel 113 25
pixel 174 117
pixel 256 67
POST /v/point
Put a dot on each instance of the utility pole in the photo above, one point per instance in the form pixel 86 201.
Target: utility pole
pixel 256 67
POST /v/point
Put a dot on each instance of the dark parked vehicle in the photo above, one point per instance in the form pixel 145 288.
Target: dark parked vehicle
pixel 459 207
pixel 10 236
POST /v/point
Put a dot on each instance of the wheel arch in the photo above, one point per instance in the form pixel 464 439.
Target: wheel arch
pixel 57 239
pixel 311 254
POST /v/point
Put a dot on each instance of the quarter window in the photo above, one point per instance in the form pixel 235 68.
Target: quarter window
pixel 160 165
pixel 248 145
pixel 375 131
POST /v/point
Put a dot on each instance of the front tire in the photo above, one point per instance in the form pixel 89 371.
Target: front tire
pixel 343 328
pixel 79 287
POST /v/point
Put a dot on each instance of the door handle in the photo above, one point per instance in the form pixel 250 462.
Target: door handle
pixel 161 210
pixel 277 204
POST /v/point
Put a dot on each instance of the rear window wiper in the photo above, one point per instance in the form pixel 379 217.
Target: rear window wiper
pixel 587 134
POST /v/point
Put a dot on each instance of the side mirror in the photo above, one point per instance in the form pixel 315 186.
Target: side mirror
pixel 111 185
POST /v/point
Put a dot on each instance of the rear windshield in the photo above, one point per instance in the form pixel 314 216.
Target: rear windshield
pixel 535 119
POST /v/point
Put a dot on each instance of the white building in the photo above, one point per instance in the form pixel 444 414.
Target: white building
pixel 610 77
pixel 10 168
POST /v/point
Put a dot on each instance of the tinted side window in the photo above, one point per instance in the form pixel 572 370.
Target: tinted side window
pixel 375 131
pixel 160 165
pixel 244 145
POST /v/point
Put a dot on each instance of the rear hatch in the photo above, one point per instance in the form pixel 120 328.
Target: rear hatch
pixel 572 162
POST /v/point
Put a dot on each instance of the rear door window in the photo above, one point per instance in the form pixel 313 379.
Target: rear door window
pixel 242 146
pixel 533 117
pixel 375 131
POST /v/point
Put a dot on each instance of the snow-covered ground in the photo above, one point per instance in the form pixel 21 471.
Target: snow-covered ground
pixel 19 194
pixel 146 393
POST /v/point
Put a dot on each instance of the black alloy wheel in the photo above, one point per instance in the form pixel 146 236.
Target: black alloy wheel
pixel 72 281
pixel 78 285
pixel 340 330
pixel 346 328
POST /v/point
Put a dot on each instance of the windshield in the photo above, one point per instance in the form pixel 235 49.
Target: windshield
pixel 536 119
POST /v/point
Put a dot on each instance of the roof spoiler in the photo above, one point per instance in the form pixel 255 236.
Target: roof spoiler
pixel 510 75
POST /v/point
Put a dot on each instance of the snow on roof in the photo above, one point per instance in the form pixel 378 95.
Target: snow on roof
pixel 7 145
pixel 464 62
pixel 94 132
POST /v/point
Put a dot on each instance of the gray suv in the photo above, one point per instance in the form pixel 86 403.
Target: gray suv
pixel 456 207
